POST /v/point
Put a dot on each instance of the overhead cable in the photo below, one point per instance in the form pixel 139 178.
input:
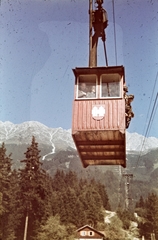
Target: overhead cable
pixel 148 127
pixel 151 99
pixel 113 5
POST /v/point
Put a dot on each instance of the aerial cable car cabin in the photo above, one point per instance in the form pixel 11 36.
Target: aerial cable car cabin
pixel 99 107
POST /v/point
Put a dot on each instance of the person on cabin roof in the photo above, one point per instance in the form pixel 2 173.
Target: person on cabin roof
pixel 125 88
pixel 82 92
pixel 128 109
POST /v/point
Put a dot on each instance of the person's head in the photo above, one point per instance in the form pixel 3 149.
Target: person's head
pixel 125 88
pixel 130 98
pixel 93 89
pixel 82 87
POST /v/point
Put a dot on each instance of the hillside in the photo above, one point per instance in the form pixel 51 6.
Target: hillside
pixel 58 152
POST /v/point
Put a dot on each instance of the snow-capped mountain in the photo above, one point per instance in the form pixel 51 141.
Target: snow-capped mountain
pixel 136 142
pixel 22 134
pixel 58 151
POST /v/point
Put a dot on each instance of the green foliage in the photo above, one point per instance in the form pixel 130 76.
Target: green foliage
pixel 8 189
pixel 152 211
pixel 140 188
pixel 114 229
pixel 140 207
pixel 104 197
pixel 78 201
pixel 53 229
pixel 110 180
pixel 150 216
pixel 31 192
pixel 92 203
pixel 125 216
pixel 140 203
pixel 154 179
pixel 5 171
pixel 35 191
pixel 141 212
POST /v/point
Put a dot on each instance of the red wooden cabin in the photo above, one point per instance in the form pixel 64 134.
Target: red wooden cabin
pixel 98 127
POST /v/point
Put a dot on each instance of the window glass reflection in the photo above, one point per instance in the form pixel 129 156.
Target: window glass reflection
pixel 110 89
pixel 110 85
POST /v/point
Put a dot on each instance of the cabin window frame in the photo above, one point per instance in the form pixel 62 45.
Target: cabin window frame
pixel 90 233
pixel 112 87
pixel 87 81
pixel 83 233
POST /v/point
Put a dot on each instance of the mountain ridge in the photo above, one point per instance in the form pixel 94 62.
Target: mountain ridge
pixel 58 152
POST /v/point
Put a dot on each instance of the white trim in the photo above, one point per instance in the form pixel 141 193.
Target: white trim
pixel 87 81
pixel 108 82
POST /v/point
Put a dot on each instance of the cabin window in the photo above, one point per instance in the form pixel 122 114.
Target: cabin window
pixel 90 233
pixel 110 86
pixel 87 86
pixel 83 233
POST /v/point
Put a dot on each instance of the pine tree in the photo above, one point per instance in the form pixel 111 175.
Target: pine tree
pixel 71 180
pixel 58 182
pixel 35 191
pixel 14 205
pixel 92 205
pixel 73 208
pixel 53 229
pixel 150 225
pixel 152 212
pixel 7 197
pixel 140 203
pixel 77 202
pixel 102 191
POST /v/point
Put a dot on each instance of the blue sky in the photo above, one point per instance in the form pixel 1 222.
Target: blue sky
pixel 42 40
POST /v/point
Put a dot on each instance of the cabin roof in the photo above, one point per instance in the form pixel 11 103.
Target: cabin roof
pixel 99 70
pixel 91 228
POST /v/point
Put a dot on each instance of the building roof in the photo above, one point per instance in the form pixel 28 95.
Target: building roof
pixel 91 228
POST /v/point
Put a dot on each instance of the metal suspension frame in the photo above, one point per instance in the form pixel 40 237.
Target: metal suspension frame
pixel 97 23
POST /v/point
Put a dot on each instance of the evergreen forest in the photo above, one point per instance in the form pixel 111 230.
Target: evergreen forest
pixel 34 205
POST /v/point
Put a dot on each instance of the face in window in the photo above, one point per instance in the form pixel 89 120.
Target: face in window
pixel 91 91
pixel 86 86
pixel 82 87
pixel 82 92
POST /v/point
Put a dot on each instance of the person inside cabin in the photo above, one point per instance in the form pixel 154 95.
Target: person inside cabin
pixel 91 92
pixel 82 92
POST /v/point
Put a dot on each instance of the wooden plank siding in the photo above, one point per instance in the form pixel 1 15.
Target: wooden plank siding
pixel 100 142
pixel 114 118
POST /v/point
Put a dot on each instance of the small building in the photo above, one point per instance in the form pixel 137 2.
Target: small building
pixel 87 232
